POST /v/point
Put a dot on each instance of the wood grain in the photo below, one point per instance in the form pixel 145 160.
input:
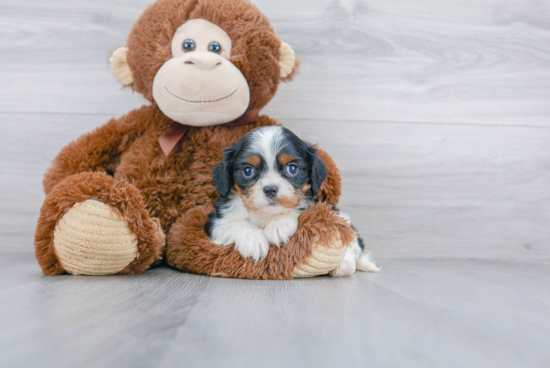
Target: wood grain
pixel 72 321
pixel 416 313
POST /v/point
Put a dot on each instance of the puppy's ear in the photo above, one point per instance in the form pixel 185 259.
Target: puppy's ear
pixel 223 172
pixel 318 170
pixel 222 179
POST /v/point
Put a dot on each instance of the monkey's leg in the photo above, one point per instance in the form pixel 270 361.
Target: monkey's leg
pixel 91 224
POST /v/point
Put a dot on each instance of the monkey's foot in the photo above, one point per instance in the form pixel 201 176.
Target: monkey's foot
pixel 91 224
pixel 94 239
pixel 325 257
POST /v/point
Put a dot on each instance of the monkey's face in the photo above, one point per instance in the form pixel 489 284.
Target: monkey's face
pixel 204 62
pixel 199 86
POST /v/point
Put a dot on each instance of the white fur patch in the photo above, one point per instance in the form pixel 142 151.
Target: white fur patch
pixel 268 142
pixel 251 232
pixel 280 229
pixel 348 265
pixel 366 264
pixel 234 227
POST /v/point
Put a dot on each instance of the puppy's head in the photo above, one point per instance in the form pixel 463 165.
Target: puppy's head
pixel 271 169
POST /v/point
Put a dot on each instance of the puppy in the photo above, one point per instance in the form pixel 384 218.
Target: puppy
pixel 265 181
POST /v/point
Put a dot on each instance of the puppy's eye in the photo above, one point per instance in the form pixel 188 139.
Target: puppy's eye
pixel 291 170
pixel 189 45
pixel 248 172
pixel 215 47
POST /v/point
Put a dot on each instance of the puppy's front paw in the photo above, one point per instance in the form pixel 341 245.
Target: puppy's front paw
pixel 253 245
pixel 281 230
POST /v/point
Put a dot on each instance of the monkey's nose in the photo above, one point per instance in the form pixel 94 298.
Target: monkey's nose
pixel 270 191
pixel 203 60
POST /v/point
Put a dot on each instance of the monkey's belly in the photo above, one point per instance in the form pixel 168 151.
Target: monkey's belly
pixel 171 185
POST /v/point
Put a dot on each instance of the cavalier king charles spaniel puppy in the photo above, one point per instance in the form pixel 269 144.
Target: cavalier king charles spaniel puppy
pixel 265 181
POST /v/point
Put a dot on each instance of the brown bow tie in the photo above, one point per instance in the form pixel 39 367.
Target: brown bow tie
pixel 176 131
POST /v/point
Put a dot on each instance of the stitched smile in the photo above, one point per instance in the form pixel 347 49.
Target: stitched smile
pixel 219 99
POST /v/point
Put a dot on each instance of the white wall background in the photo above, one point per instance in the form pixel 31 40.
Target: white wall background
pixel 436 111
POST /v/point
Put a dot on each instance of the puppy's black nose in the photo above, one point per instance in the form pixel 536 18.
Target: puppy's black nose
pixel 270 191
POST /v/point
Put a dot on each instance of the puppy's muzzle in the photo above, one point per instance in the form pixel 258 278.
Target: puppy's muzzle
pixel 270 191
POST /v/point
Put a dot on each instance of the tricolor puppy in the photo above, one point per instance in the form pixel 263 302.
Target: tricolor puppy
pixel 265 181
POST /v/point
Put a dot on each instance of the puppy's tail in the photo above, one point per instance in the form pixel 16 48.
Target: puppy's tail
pixel 365 263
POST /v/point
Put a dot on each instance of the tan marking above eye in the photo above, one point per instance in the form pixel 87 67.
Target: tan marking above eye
pixel 253 160
pixel 285 158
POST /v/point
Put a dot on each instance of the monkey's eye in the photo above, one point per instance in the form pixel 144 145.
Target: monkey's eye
pixel 291 170
pixel 215 47
pixel 248 172
pixel 189 45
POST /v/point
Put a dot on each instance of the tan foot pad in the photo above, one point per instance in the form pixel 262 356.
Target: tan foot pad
pixel 323 260
pixel 94 239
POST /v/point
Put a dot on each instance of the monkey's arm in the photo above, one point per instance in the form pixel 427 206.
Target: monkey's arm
pixel 332 186
pixel 317 247
pixel 99 150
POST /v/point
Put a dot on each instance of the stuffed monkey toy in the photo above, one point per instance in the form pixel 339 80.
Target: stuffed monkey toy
pixel 137 191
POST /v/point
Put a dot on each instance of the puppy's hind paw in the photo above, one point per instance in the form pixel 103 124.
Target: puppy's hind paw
pixel 345 269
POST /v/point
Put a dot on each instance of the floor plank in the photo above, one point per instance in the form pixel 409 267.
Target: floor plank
pixel 70 321
pixel 443 313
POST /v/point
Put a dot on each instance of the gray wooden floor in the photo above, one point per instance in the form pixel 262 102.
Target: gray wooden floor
pixel 437 113
pixel 416 313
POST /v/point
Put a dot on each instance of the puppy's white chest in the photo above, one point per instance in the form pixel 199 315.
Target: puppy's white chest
pixel 261 220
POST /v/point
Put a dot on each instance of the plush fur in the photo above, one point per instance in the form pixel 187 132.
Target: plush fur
pixel 318 225
pixel 121 195
pixel 255 50
pixel 122 165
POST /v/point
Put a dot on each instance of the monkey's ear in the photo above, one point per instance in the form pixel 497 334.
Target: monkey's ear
pixel 287 62
pixel 119 66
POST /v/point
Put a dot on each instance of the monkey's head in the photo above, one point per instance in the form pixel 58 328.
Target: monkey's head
pixel 204 62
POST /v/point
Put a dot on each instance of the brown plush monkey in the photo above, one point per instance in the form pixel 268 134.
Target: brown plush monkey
pixel 138 189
